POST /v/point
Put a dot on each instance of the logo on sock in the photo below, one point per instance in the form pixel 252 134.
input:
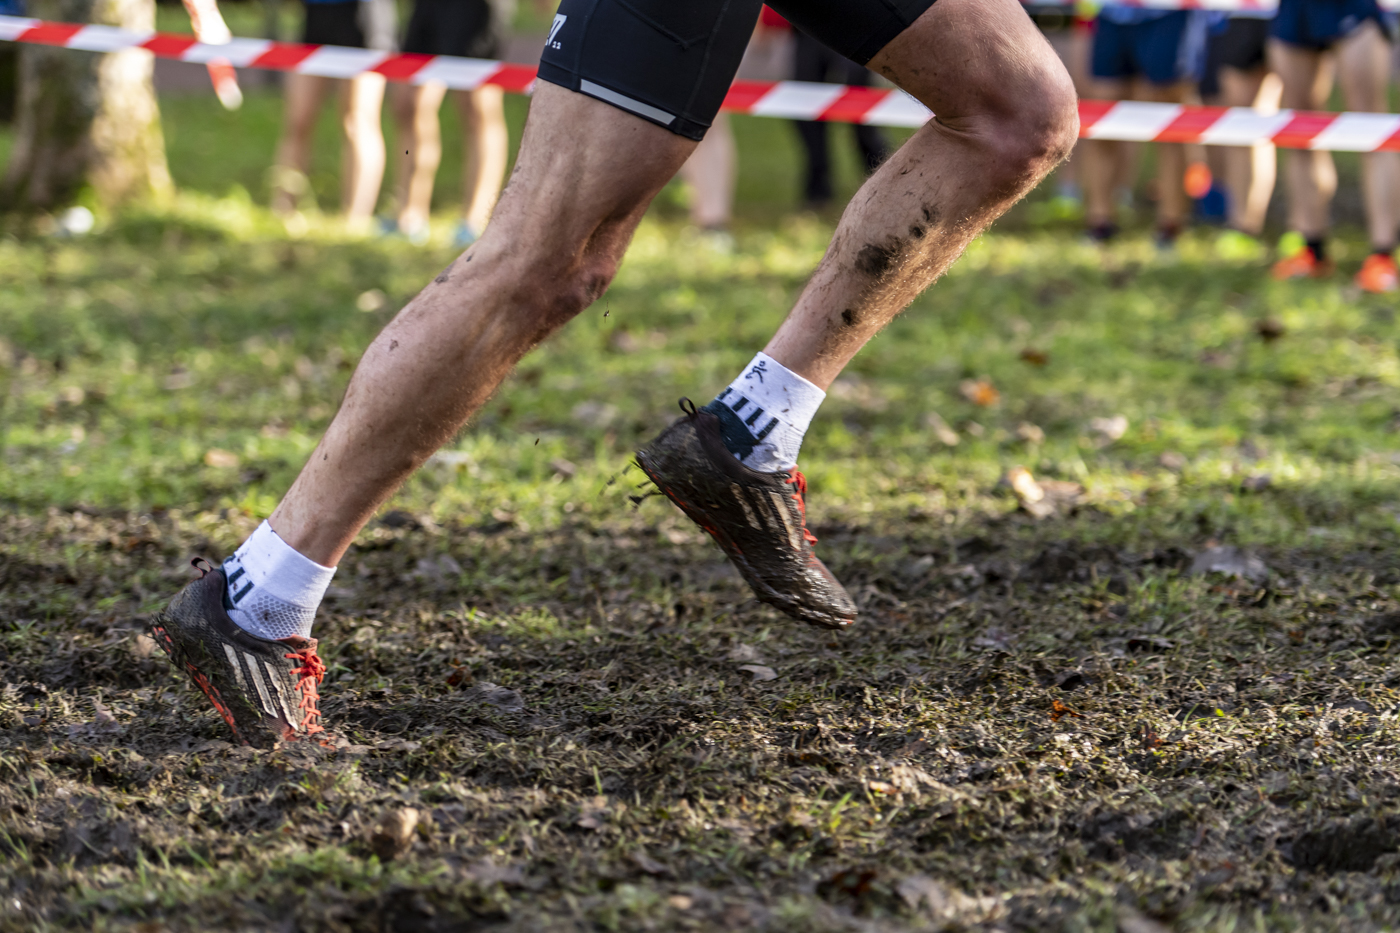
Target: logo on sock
pixel 764 412
pixel 738 422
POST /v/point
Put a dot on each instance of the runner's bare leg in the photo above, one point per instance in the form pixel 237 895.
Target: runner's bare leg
pixel 1005 117
pixel 584 178
pixel 586 174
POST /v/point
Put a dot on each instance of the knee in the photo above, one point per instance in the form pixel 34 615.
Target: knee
pixel 1041 128
pixel 556 296
pixel 586 282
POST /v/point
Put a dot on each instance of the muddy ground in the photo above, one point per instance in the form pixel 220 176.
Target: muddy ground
pixel 1025 731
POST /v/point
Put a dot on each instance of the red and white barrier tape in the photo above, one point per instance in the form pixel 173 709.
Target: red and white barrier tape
pixel 797 100
pixel 1239 126
pixel 1088 8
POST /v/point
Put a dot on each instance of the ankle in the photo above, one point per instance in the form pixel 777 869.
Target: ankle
pixel 764 413
pixel 273 591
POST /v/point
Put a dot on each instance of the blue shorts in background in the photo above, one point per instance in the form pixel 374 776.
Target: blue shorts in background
pixel 1321 24
pixel 1164 49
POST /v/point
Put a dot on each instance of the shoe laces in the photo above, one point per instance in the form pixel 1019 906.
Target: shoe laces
pixel 797 479
pixel 311 672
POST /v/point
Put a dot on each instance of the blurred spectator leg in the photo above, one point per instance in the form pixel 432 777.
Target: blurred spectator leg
pixel 1363 71
pixel 1310 176
pixel 9 80
pixel 418 155
pixel 1237 75
pixel 1250 171
pixel 874 148
pixel 302 100
pixel 812 61
pixel 487 149
pixel 710 173
pixel 1099 170
pixel 362 161
pixel 816 178
pixel 1172 202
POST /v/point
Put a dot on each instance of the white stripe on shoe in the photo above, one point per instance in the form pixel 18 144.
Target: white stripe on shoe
pixel 257 682
pixel 780 507
pixel 237 667
pixel 748 512
pixel 281 692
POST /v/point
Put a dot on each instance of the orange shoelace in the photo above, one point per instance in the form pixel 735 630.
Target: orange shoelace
pixel 311 672
pixel 800 481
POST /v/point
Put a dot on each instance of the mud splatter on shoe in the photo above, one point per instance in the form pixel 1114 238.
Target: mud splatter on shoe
pixel 265 690
pixel 758 519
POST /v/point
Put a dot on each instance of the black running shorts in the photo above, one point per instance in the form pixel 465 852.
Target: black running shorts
pixel 672 61
pixel 1240 44
pixel 454 27
pixel 335 23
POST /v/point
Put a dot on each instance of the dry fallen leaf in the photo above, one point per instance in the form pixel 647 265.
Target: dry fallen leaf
pixel 946 905
pixel 979 392
pixel 143 645
pixel 594 814
pixel 1230 561
pixel 487 872
pixel 1130 921
pixel 502 698
pixel 1174 461
pixel 648 864
pixel 945 435
pixel 760 672
pixel 1020 481
pixel 394 833
pixel 370 301
pixel 1108 430
pixel 221 459
pixel 1030 433
pixel 743 652
pixel 1059 711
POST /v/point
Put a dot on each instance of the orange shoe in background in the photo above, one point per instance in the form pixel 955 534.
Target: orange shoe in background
pixel 1303 264
pixel 1378 274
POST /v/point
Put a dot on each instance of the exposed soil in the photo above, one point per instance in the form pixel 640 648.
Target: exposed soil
pixel 1025 731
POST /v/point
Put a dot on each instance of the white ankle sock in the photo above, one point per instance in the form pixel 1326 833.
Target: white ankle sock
pixel 764 413
pixel 273 591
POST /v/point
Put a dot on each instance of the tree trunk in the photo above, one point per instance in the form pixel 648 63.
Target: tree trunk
pixel 86 118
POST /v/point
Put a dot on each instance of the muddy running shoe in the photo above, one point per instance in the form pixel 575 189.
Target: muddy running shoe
pixel 265 690
pixel 759 519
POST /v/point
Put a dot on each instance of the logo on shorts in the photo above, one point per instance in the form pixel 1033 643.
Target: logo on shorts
pixel 549 43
